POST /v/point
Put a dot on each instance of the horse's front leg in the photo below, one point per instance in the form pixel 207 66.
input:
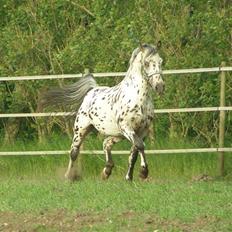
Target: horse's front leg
pixel 138 146
pixel 144 167
pixel 132 160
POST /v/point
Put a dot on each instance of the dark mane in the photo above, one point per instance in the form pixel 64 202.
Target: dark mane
pixel 150 50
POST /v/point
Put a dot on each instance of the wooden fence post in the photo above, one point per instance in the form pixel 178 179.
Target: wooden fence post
pixel 86 71
pixel 222 120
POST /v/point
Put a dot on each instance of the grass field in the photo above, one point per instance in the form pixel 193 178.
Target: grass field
pixel 114 205
pixel 35 197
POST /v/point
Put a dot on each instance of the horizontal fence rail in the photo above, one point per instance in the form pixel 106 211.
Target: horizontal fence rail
pixel 157 111
pixel 114 74
pixel 123 152
pixel 27 115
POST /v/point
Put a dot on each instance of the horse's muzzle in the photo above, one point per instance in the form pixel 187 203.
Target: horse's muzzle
pixel 157 84
pixel 160 87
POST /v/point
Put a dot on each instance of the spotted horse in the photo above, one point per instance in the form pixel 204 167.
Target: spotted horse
pixel 122 111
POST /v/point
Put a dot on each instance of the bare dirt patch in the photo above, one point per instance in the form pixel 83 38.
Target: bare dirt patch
pixel 158 224
pixel 59 220
pixel 62 220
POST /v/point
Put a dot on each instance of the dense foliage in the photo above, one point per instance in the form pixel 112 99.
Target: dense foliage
pixel 57 36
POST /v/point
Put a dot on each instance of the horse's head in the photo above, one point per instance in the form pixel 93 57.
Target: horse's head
pixel 151 63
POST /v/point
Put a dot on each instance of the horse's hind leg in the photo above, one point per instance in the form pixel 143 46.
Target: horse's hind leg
pixel 107 146
pixel 80 131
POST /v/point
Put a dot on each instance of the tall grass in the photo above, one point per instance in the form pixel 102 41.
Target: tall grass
pixel 160 166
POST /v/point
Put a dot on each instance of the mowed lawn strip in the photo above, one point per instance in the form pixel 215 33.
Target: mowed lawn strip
pixel 108 206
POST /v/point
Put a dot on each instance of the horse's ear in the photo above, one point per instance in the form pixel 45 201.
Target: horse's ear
pixel 159 44
pixel 141 47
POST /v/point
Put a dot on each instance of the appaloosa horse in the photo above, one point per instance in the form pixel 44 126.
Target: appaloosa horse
pixel 123 111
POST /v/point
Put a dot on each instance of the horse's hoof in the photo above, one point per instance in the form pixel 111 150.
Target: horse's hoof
pixel 106 172
pixel 143 172
pixel 66 176
pixel 72 177
pixel 104 176
pixel 128 178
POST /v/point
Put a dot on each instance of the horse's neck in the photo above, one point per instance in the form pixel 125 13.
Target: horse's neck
pixel 135 82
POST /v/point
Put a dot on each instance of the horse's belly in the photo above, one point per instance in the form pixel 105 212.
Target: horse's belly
pixel 107 127
pixel 104 122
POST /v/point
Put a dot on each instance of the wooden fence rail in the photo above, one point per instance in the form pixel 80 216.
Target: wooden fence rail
pixel 157 111
pixel 114 74
pixel 122 152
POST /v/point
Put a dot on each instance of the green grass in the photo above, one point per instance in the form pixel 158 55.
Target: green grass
pixel 116 205
pixel 35 197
